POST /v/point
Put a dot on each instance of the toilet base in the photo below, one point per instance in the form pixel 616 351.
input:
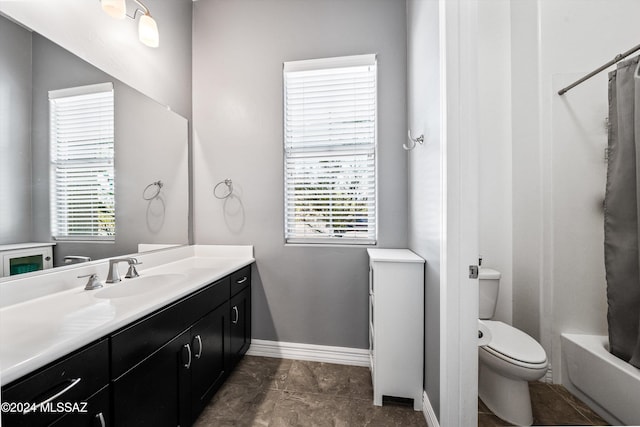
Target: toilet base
pixel 506 397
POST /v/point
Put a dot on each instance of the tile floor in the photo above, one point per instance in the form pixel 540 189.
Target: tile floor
pixel 552 405
pixel 271 392
pixel 263 391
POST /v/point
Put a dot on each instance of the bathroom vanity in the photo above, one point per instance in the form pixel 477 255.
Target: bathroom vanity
pixel 145 357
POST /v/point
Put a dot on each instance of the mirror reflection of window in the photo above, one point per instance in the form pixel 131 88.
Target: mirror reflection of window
pixel 82 163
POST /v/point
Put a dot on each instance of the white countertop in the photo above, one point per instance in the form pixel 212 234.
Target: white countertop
pixel 54 320
pixel 29 245
pixel 393 255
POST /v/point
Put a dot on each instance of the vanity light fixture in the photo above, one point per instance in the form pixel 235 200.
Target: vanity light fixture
pixel 147 26
pixel 148 31
pixel 114 8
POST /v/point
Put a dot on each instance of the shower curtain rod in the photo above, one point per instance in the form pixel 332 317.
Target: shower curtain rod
pixel 618 58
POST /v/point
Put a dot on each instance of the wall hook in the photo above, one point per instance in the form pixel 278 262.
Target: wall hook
pixel 413 141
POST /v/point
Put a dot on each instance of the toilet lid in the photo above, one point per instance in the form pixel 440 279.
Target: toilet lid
pixel 514 344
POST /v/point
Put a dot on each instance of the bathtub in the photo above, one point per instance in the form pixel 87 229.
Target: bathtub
pixel 611 383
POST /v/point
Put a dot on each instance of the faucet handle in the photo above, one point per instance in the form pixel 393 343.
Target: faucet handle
pixel 132 272
pixel 92 283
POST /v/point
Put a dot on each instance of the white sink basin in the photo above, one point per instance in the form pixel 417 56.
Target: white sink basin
pixel 139 285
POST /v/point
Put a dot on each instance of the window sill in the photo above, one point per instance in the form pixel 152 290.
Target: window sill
pixel 362 245
pixel 76 240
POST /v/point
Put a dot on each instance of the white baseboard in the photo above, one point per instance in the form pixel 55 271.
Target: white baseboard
pixel 311 352
pixel 429 413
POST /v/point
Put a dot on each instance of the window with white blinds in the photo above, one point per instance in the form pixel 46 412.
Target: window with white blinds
pixel 330 150
pixel 81 153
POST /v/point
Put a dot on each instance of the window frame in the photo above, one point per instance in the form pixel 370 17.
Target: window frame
pixel 371 238
pixel 60 230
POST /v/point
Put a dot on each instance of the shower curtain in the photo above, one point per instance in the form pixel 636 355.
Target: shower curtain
pixel 622 213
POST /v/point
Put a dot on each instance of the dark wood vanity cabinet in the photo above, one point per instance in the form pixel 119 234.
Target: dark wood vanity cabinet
pixel 161 370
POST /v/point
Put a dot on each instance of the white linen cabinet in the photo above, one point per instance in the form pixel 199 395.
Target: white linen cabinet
pixel 396 324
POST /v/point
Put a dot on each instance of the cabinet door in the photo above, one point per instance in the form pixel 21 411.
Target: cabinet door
pixel 209 340
pixel 240 324
pixel 155 393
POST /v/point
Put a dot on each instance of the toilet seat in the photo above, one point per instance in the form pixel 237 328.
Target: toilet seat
pixel 514 346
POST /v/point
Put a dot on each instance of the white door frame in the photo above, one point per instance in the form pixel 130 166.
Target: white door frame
pixel 459 293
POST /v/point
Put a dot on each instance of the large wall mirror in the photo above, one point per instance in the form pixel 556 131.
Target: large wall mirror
pixel 150 145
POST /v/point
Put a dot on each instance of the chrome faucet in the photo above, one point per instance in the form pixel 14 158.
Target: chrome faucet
pixel 114 275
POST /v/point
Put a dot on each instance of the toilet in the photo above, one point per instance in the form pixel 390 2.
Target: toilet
pixel 508 361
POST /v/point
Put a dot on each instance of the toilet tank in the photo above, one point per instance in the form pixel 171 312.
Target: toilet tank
pixel 489 284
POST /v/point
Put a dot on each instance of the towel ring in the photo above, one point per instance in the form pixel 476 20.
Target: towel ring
pixel 413 141
pixel 158 185
pixel 229 185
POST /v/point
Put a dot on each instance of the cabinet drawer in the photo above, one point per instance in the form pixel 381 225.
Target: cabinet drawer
pixel 240 279
pixel 97 413
pixel 72 379
pixel 136 342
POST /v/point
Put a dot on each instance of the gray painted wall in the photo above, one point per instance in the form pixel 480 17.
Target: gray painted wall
pixel 15 135
pixel 425 173
pixel 151 144
pixel 302 294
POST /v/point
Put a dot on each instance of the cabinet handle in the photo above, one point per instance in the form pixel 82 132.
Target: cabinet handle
pixel 235 310
pixel 74 382
pixel 241 281
pixel 188 348
pixel 199 353
pixel 100 418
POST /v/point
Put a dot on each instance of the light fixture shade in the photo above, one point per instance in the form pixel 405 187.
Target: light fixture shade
pixel 115 8
pixel 148 31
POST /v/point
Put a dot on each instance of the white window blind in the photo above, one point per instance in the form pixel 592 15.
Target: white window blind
pixel 330 149
pixel 82 172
